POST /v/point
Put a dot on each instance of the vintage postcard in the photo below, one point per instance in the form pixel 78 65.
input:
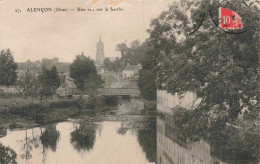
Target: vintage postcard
pixel 129 82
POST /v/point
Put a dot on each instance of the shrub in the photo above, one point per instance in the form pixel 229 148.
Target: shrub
pixel 63 104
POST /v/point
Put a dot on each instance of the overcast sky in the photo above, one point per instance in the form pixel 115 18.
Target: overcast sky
pixel 33 36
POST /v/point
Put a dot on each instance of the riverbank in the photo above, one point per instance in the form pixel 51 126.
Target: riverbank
pixel 16 113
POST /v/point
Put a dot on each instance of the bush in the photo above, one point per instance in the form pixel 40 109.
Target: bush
pixel 25 110
pixel 111 100
pixel 7 155
pixel 63 104
pixel 9 95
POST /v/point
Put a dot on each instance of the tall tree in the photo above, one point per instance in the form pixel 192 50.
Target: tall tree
pixel 7 68
pixel 54 78
pixel 107 64
pixel 147 77
pixel 220 68
pixel 27 84
pixel 82 70
pixel 48 82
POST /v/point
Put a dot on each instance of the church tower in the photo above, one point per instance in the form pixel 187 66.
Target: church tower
pixel 100 55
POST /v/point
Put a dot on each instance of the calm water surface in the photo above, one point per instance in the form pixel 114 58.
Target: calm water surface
pixel 71 142
pixel 137 140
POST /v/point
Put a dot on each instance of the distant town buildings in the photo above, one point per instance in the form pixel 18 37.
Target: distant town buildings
pixel 130 71
pixel 100 55
pixel 54 60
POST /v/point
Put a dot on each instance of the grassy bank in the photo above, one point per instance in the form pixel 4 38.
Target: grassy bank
pixel 20 114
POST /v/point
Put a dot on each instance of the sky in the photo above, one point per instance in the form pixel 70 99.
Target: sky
pixel 36 35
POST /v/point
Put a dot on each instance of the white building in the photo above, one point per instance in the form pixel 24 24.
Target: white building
pixel 166 101
pixel 131 71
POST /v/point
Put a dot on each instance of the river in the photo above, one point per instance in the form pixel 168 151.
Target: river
pixel 139 139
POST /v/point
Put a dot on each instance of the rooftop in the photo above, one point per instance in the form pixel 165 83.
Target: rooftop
pixel 131 67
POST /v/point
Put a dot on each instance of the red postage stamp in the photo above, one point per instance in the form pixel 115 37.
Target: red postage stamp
pixel 229 19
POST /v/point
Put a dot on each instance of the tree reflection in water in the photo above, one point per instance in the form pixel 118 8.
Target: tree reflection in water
pixel 122 130
pixel 7 155
pixel 50 137
pixel 27 145
pixel 147 140
pixel 83 138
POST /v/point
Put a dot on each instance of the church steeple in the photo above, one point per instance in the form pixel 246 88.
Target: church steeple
pixel 100 56
pixel 100 40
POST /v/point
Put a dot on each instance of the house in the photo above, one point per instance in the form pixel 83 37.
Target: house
pixel 131 71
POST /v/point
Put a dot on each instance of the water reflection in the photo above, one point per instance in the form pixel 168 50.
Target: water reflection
pixel 83 138
pixel 73 142
pixel 122 130
pixel 147 140
pixel 50 137
pixel 172 148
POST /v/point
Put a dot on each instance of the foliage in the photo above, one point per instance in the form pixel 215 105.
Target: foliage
pixel 111 100
pixel 83 138
pixel 194 122
pixel 92 83
pixel 82 70
pixel 220 68
pixel 50 137
pixel 48 82
pixel 7 155
pixel 7 68
pixel 9 95
pixel 115 66
pixel 132 54
pixel 230 143
pixel 147 77
pixel 227 141
pixel 63 104
pixel 27 84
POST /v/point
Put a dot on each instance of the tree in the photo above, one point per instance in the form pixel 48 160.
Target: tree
pixel 220 68
pixel 54 78
pixel 133 54
pixel 48 82
pixel 83 70
pixel 8 155
pixel 7 68
pixel 92 84
pixel 147 76
pixel 107 64
pixel 27 84
pixel 147 84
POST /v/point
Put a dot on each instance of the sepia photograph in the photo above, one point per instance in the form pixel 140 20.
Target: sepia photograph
pixel 129 82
